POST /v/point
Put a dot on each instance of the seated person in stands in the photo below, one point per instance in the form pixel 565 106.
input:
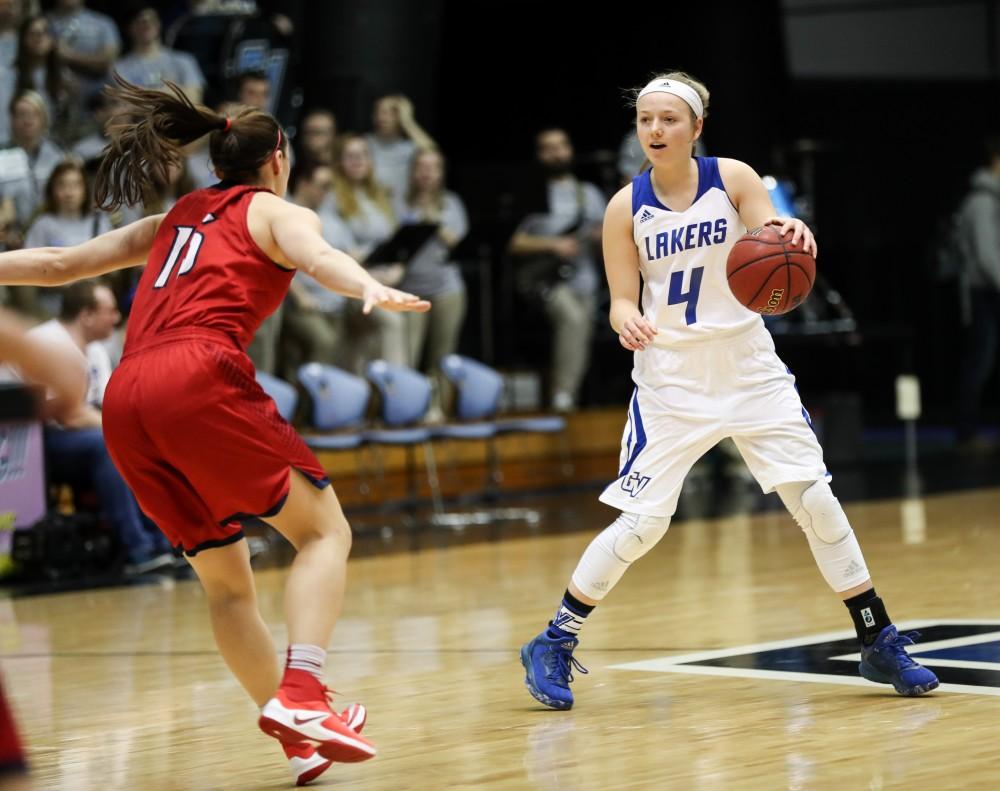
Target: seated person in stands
pixel 74 445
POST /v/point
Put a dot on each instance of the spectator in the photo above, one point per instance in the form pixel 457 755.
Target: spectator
pixel 567 238
pixel 67 218
pixel 313 328
pixel 10 20
pixel 979 222
pixel 28 161
pixel 149 63
pixel 89 149
pixel 88 42
pixel 38 67
pixel 430 273
pixel 74 447
pixel 364 206
pixel 317 136
pixel 394 142
pixel 253 89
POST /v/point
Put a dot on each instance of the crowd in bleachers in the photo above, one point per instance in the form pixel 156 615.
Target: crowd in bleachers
pixel 54 117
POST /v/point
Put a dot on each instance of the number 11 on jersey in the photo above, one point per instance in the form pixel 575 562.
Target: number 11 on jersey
pixel 183 235
pixel 675 296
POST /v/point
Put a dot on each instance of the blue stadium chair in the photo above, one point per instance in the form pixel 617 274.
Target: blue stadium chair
pixel 406 397
pixel 285 396
pixel 339 403
pixel 478 389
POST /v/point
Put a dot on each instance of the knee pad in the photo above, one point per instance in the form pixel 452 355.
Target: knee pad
pixel 820 514
pixel 639 535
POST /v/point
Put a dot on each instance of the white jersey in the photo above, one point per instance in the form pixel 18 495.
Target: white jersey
pixel 682 257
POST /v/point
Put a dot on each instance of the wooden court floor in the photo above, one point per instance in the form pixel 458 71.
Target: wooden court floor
pixel 122 688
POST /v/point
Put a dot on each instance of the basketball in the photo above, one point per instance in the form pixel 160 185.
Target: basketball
pixel 767 273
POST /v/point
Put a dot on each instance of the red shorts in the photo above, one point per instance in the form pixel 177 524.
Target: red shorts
pixel 198 441
pixel 11 754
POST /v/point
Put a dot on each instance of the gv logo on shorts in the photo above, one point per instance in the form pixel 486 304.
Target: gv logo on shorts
pixel 634 483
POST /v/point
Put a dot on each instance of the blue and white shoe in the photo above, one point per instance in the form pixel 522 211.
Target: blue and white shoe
pixel 549 665
pixel 886 662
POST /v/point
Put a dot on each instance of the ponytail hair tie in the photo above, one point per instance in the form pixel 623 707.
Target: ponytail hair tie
pixel 227 125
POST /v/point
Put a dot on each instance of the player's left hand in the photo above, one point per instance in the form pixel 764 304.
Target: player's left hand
pixel 800 232
pixel 378 296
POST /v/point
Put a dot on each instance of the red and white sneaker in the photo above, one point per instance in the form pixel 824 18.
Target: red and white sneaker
pixel 306 717
pixel 307 764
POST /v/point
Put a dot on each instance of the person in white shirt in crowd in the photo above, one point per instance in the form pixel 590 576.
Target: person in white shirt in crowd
pixel 431 270
pixel 75 452
pixel 149 63
pixel 38 67
pixel 88 42
pixel 67 219
pixel 313 328
pixel 317 137
pixel 365 207
pixel 27 161
pixel 395 140
pixel 570 232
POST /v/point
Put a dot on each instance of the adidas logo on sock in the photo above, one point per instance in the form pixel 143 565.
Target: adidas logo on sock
pixel 646 215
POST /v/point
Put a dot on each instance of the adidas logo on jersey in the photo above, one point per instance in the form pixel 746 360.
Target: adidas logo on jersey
pixel 646 215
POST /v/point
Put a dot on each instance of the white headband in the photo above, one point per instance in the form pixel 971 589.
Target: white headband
pixel 685 92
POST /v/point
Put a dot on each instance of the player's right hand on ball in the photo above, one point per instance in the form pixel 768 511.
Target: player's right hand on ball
pixel 636 333
pixel 378 296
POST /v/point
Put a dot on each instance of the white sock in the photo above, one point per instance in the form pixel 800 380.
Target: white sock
pixel 310 658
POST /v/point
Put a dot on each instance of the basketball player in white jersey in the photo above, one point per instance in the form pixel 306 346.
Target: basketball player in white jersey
pixel 705 369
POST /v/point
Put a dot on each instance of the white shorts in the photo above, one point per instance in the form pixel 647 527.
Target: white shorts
pixel 689 399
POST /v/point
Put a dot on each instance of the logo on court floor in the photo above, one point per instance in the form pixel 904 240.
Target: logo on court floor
pixel 634 483
pixel 965 655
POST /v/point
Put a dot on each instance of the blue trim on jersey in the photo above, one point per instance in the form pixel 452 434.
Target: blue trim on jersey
pixel 640 435
pixel 708 176
pixel 643 193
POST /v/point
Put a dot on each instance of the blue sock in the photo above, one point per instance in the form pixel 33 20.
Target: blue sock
pixel 569 617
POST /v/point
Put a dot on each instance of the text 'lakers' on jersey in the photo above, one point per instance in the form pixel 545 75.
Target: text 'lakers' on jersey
pixel 682 256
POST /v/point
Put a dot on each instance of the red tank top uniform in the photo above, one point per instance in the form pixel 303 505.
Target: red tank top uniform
pixel 196 438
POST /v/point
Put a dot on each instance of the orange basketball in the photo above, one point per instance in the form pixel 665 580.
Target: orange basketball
pixel 767 273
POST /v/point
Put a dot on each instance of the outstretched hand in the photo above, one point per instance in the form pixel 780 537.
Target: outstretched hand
pixel 377 295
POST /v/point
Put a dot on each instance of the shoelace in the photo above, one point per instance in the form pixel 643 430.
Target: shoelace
pixel 898 647
pixel 561 672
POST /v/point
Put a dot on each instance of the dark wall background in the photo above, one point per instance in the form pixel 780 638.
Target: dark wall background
pixel 891 99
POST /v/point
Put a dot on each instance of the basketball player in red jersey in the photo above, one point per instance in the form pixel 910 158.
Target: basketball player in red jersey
pixel 67 382
pixel 193 434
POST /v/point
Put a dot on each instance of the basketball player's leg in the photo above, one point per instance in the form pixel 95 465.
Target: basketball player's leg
pixel 243 638
pixel 312 520
pixel 314 523
pixel 658 450
pixel 774 434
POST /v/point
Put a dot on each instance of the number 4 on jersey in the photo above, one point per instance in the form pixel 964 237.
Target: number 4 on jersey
pixel 184 235
pixel 675 296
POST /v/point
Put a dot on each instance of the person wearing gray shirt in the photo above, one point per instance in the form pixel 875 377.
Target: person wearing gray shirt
pixel 313 323
pixel 979 223
pixel 569 232
pixel 88 42
pixel 364 206
pixel 149 63
pixel 431 273
pixel 394 142
pixel 28 160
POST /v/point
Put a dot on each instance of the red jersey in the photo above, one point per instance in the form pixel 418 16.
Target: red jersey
pixel 206 272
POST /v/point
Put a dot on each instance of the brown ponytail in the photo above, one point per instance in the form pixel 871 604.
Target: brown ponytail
pixel 147 138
